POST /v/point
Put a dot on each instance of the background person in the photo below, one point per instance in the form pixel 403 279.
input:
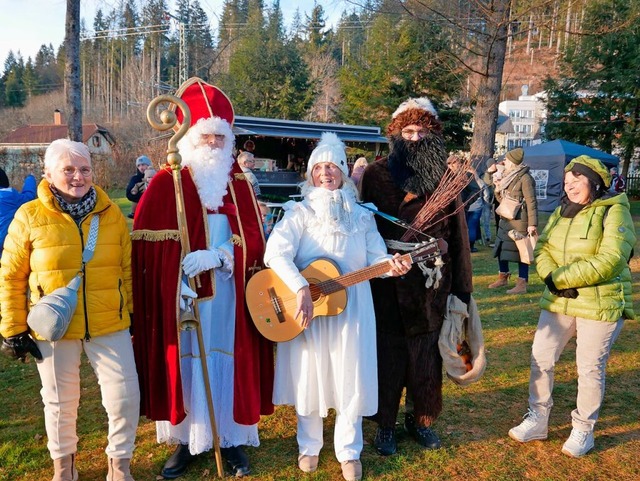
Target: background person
pixel 409 315
pixel 618 184
pixel 582 255
pixel 248 146
pixel 142 163
pixel 488 204
pixel 11 200
pixel 332 364
pixel 247 162
pixel 141 186
pixel 358 168
pixel 43 251
pixel 516 182
pixel 227 244
pixel 472 196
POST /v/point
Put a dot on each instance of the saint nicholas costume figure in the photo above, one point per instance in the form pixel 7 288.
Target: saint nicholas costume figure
pixel 227 245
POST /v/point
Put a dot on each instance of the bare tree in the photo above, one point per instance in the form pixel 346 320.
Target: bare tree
pixel 324 74
pixel 72 84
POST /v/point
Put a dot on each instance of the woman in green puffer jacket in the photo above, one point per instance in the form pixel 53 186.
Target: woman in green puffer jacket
pixel 582 255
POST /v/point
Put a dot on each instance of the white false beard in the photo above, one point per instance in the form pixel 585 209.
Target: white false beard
pixel 210 170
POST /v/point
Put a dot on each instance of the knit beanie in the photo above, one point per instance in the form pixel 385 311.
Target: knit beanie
pixel 143 160
pixel 4 180
pixel 516 156
pixel 329 149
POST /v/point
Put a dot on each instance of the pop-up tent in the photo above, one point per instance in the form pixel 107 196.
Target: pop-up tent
pixel 547 162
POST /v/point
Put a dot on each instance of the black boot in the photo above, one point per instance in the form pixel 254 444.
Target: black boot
pixel 424 436
pixel 177 464
pixel 385 441
pixel 237 461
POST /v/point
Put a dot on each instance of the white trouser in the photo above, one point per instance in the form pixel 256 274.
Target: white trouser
pixel 593 345
pixel 347 436
pixel 111 357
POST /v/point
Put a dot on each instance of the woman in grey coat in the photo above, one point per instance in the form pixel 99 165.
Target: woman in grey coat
pixel 518 183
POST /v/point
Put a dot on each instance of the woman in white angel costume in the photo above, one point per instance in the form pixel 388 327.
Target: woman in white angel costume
pixel 332 364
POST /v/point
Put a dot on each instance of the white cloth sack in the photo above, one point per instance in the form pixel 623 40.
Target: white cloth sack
pixel 453 332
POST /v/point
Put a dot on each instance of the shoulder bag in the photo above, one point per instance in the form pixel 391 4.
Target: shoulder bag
pixel 509 207
pixel 51 316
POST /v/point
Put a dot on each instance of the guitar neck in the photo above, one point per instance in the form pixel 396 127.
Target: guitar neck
pixel 342 282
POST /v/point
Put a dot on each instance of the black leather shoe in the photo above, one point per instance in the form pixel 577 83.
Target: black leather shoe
pixel 385 441
pixel 177 464
pixel 424 436
pixel 237 461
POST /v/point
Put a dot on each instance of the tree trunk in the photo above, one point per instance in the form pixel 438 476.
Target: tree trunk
pixel 488 96
pixel 72 84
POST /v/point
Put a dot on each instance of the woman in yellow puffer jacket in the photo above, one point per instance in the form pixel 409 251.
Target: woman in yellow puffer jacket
pixel 42 252
pixel 582 256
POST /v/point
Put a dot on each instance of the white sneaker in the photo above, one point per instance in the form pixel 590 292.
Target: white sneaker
pixel 533 427
pixel 578 444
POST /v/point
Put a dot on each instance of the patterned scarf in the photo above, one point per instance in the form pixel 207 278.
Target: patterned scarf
pixel 80 209
pixel 510 177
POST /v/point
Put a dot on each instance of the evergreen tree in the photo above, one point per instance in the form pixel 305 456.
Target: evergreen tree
pixel 156 41
pixel 267 77
pixel 316 35
pixel 14 90
pixel 297 28
pixel 350 36
pixel 201 42
pixel 46 71
pixel 10 62
pixel 598 101
pixel 232 21
pixel 129 21
pixel 30 79
pixel 401 57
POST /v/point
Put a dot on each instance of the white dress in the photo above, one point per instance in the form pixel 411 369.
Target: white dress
pixel 332 364
pixel 217 318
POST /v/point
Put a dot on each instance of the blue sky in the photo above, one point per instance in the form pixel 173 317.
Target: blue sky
pixel 28 24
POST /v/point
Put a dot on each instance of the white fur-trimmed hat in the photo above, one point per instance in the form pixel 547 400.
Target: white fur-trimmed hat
pixel 329 149
pixel 420 103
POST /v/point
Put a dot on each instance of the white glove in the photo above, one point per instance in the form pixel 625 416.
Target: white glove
pixel 197 262
pixel 187 295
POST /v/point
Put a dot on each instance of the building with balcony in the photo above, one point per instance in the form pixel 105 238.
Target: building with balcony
pixel 527 116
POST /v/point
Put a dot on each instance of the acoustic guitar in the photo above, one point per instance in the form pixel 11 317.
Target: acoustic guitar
pixel 272 305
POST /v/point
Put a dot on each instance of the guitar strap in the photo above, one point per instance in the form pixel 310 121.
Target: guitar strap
pixel 396 221
pixel 433 274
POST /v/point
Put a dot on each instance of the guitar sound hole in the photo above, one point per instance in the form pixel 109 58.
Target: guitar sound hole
pixel 316 293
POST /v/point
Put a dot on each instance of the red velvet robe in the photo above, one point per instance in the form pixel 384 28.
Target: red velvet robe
pixel 156 259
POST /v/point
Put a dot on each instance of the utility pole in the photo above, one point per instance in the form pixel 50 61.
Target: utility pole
pixel 183 59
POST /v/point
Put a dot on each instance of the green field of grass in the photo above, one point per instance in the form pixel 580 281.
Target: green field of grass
pixel 473 426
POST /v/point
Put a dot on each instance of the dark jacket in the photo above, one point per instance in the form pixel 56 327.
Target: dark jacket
pixel 403 303
pixel 138 177
pixel 524 189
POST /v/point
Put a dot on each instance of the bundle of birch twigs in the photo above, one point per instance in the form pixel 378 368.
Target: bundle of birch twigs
pixel 452 183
